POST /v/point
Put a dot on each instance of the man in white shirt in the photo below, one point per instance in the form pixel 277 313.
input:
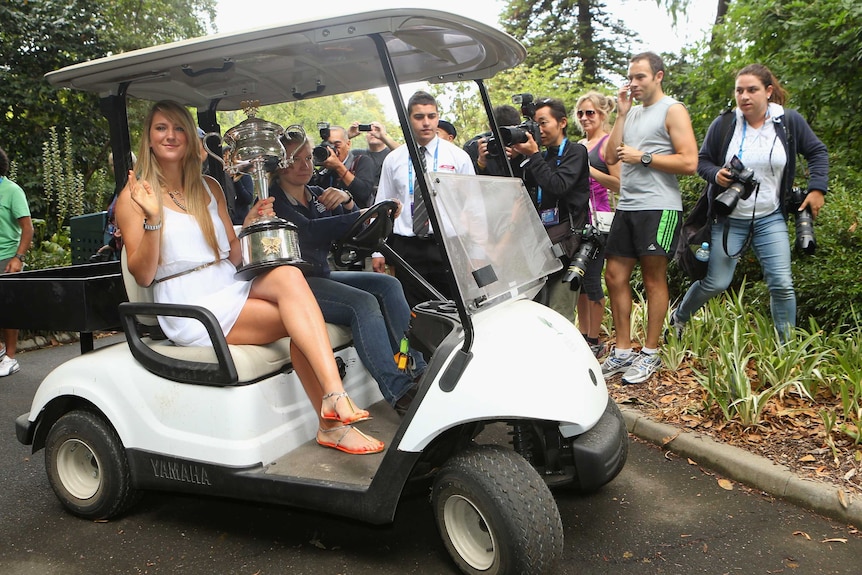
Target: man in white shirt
pixel 398 181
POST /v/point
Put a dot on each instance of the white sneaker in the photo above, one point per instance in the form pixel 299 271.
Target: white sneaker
pixel 8 366
pixel 614 364
pixel 642 368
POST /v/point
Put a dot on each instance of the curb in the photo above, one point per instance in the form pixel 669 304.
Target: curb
pixel 745 467
pixel 40 341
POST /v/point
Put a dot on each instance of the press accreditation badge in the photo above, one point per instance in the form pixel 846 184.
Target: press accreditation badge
pixel 550 216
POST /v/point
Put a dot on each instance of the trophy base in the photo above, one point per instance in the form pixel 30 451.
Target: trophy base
pixel 250 271
pixel 269 243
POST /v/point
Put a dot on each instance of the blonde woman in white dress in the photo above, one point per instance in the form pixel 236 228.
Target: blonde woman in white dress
pixel 174 219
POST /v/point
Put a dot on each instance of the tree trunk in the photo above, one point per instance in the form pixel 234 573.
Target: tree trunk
pixel 587 45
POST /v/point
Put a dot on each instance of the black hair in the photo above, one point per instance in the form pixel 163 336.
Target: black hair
pixel 420 98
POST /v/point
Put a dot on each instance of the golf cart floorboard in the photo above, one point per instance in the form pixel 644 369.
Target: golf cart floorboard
pixel 314 462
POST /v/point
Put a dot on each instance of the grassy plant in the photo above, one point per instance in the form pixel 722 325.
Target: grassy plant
pixel 746 366
pixel 842 375
pixel 794 363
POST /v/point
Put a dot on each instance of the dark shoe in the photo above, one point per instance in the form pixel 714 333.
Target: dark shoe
pixel 403 404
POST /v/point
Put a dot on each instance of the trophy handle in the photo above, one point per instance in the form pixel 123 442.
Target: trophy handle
pixel 211 154
pixel 293 133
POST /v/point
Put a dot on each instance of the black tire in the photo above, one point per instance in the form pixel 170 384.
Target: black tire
pixel 87 466
pixel 495 514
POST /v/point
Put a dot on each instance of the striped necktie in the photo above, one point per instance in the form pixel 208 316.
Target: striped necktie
pixel 420 211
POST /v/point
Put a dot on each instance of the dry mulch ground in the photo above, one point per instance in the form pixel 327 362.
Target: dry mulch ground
pixel 791 431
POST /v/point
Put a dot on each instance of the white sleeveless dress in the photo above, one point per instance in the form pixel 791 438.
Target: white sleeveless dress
pixel 184 248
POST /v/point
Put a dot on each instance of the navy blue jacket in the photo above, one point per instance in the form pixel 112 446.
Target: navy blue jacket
pixel 317 226
pixel 795 135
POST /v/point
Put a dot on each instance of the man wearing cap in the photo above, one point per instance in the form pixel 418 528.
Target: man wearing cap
pixel 446 131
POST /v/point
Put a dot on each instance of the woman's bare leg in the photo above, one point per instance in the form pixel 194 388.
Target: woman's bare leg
pixel 281 304
pixel 314 391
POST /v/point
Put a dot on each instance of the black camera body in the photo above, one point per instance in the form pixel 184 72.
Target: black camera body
pixel 516 134
pixel 744 183
pixel 592 241
pixel 805 242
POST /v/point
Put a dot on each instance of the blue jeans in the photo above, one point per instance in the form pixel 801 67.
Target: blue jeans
pixel 374 307
pixel 772 248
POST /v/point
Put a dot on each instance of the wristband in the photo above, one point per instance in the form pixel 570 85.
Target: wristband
pixel 151 228
pixel 349 198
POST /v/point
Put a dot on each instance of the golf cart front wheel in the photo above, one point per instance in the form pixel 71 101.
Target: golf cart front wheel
pixel 87 466
pixel 495 514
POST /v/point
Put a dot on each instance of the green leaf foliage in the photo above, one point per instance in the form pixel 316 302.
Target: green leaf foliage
pixel 40 36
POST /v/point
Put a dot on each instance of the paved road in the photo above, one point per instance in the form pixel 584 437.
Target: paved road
pixel 662 515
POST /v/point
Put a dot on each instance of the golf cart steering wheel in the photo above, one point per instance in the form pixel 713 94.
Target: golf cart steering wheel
pixel 368 232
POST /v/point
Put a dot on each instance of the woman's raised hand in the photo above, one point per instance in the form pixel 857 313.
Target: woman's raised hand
pixel 143 195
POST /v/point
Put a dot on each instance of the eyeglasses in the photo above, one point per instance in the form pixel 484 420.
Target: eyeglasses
pixel 587 112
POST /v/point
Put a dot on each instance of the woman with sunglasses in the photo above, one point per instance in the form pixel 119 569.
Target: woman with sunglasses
pixel 562 190
pixel 594 110
pixel 371 304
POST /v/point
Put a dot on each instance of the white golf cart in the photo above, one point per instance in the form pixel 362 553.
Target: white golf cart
pixel 233 421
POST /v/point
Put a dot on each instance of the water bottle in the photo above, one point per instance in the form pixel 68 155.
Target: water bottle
pixel 702 253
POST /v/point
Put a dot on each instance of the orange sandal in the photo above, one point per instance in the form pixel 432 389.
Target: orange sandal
pixel 347 429
pixel 358 414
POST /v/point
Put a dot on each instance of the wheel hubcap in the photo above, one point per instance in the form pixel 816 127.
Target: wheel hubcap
pixel 469 532
pixel 78 469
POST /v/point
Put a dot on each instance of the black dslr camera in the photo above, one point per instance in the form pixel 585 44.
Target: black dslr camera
pixel 743 184
pixel 592 241
pixel 321 153
pixel 805 242
pixel 516 134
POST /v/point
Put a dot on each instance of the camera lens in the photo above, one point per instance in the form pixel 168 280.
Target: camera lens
pixel 513 135
pixel 726 201
pixel 805 241
pixel 320 154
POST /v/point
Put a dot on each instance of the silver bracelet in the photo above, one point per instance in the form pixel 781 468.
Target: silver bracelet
pixel 149 228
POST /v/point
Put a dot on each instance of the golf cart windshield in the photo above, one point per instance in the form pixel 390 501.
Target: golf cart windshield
pixel 497 246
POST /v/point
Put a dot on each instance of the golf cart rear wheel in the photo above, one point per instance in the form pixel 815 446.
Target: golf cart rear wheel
pixel 87 466
pixel 495 514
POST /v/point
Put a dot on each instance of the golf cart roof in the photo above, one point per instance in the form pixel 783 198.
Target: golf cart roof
pixel 292 61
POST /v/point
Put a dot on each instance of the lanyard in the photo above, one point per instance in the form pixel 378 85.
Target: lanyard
pixel 559 156
pixel 742 142
pixel 410 170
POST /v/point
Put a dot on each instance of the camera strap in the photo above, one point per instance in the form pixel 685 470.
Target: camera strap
pixel 748 237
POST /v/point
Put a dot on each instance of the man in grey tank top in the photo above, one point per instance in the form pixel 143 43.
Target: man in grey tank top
pixel 655 143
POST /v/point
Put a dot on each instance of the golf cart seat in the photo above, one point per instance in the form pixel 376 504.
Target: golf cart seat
pixel 221 364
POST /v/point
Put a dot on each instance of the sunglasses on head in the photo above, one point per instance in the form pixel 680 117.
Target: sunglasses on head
pixel 587 112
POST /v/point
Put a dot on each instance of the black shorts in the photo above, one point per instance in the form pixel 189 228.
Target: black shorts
pixel 644 233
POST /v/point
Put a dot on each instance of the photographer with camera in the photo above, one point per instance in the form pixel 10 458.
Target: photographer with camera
pixel 489 158
pixel 343 169
pixel 379 144
pixel 767 137
pixel 562 190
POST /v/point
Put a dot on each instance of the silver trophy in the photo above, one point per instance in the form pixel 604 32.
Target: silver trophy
pixel 255 146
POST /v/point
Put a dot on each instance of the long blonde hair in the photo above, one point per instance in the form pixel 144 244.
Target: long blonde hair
pixel 148 168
